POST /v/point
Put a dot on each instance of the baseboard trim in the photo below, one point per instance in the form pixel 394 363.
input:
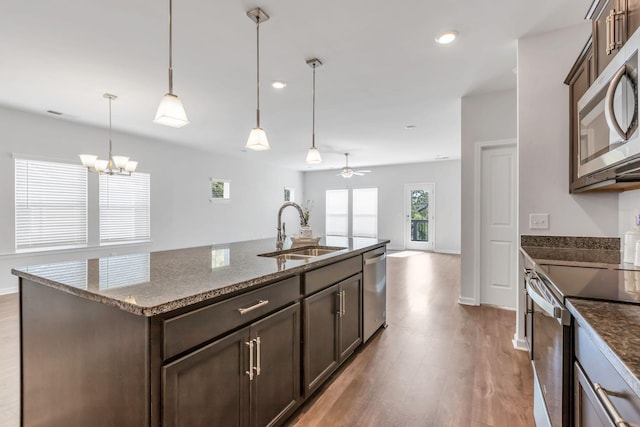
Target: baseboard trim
pixel 519 343
pixel 448 251
pixel 467 301
pixel 7 291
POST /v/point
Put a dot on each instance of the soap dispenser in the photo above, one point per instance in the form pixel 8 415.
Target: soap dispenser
pixel 631 237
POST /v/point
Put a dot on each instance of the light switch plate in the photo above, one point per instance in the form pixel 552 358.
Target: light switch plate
pixel 539 221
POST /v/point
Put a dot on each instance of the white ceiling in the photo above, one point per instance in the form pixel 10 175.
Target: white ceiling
pixel 382 69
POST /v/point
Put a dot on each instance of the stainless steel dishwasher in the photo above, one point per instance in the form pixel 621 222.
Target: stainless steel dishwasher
pixel 374 271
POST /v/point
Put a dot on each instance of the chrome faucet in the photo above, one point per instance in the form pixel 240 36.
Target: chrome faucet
pixel 281 226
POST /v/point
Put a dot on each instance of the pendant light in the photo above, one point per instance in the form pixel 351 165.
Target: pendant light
pixel 114 165
pixel 313 155
pixel 257 138
pixel 170 111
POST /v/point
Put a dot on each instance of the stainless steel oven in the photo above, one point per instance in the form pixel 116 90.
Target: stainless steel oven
pixel 548 332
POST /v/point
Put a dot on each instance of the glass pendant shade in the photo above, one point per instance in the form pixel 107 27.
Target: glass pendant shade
pixel 101 165
pixel 257 140
pixel 313 156
pixel 88 160
pixel 120 161
pixel 131 166
pixel 171 112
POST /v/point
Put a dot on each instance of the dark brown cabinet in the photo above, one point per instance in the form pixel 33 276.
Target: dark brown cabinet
pixel 332 329
pixel 601 396
pixel 613 22
pixel 579 79
pixel 248 378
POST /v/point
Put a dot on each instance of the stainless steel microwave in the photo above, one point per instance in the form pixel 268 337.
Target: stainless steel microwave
pixel 608 114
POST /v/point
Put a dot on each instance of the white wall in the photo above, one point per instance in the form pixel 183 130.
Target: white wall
pixel 543 137
pixel 390 181
pixel 486 117
pixel 181 212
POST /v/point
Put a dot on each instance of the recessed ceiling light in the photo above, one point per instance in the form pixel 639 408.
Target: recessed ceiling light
pixel 409 127
pixel 278 84
pixel 447 37
pixel 55 113
pixel 441 157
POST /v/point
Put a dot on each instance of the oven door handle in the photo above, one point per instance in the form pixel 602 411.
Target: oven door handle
pixel 545 305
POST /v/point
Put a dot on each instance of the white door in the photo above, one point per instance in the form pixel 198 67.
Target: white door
pixel 420 219
pixel 498 254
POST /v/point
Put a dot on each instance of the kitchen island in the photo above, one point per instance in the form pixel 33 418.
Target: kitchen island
pixel 214 335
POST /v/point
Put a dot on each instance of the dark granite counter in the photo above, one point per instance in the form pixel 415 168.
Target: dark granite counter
pixel 615 329
pixel 149 284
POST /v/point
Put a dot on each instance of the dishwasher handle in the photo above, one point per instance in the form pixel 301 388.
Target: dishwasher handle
pixel 375 259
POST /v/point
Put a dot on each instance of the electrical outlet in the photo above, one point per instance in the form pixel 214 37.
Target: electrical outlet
pixel 539 221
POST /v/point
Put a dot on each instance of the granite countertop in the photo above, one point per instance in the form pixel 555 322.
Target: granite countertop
pixel 153 283
pixel 615 329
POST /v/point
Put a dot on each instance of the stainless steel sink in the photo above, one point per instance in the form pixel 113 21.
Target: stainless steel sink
pixel 303 252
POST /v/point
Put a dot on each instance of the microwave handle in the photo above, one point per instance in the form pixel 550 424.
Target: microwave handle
pixel 608 112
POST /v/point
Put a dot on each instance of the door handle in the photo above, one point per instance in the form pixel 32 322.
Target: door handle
pixel 613 412
pixel 258 356
pixel 609 113
pixel 250 371
pixel 344 303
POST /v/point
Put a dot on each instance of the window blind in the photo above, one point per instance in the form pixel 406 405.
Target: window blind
pixel 337 213
pixel 365 212
pixel 124 208
pixel 50 205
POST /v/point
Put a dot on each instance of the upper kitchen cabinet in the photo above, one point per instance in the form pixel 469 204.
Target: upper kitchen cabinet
pixel 613 22
pixel 579 79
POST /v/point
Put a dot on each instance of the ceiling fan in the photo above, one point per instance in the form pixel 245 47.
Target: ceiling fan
pixel 347 172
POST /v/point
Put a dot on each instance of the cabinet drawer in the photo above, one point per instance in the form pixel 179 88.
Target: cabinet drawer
pixel 334 273
pixel 598 370
pixel 183 332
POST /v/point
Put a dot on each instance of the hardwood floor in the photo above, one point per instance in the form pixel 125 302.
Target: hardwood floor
pixel 9 362
pixel 438 363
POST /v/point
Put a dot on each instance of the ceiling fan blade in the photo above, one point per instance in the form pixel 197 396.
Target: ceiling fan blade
pixel 358 173
pixel 364 170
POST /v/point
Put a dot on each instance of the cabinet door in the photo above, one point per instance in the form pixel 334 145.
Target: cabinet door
pixel 208 387
pixel 588 410
pixel 579 79
pixel 605 33
pixel 320 337
pixel 633 16
pixel 277 361
pixel 350 317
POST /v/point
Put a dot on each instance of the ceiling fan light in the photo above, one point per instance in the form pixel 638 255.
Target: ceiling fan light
pixel 313 156
pixel 88 160
pixel 120 161
pixel 257 140
pixel 171 112
pixel 131 166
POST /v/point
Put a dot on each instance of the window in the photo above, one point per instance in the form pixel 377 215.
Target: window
pixel 289 195
pixel 220 189
pixel 337 213
pixel 363 212
pixel 50 204
pixel 364 216
pixel 124 208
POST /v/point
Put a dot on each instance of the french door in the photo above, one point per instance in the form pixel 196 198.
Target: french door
pixel 420 219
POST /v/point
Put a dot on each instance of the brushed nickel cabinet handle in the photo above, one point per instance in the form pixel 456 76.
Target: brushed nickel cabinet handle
pixel 613 412
pixel 258 356
pixel 250 371
pixel 339 308
pixel 344 302
pixel 260 303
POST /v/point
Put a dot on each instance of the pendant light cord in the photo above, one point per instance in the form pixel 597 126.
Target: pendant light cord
pixel 313 125
pixel 258 71
pixel 110 156
pixel 170 47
